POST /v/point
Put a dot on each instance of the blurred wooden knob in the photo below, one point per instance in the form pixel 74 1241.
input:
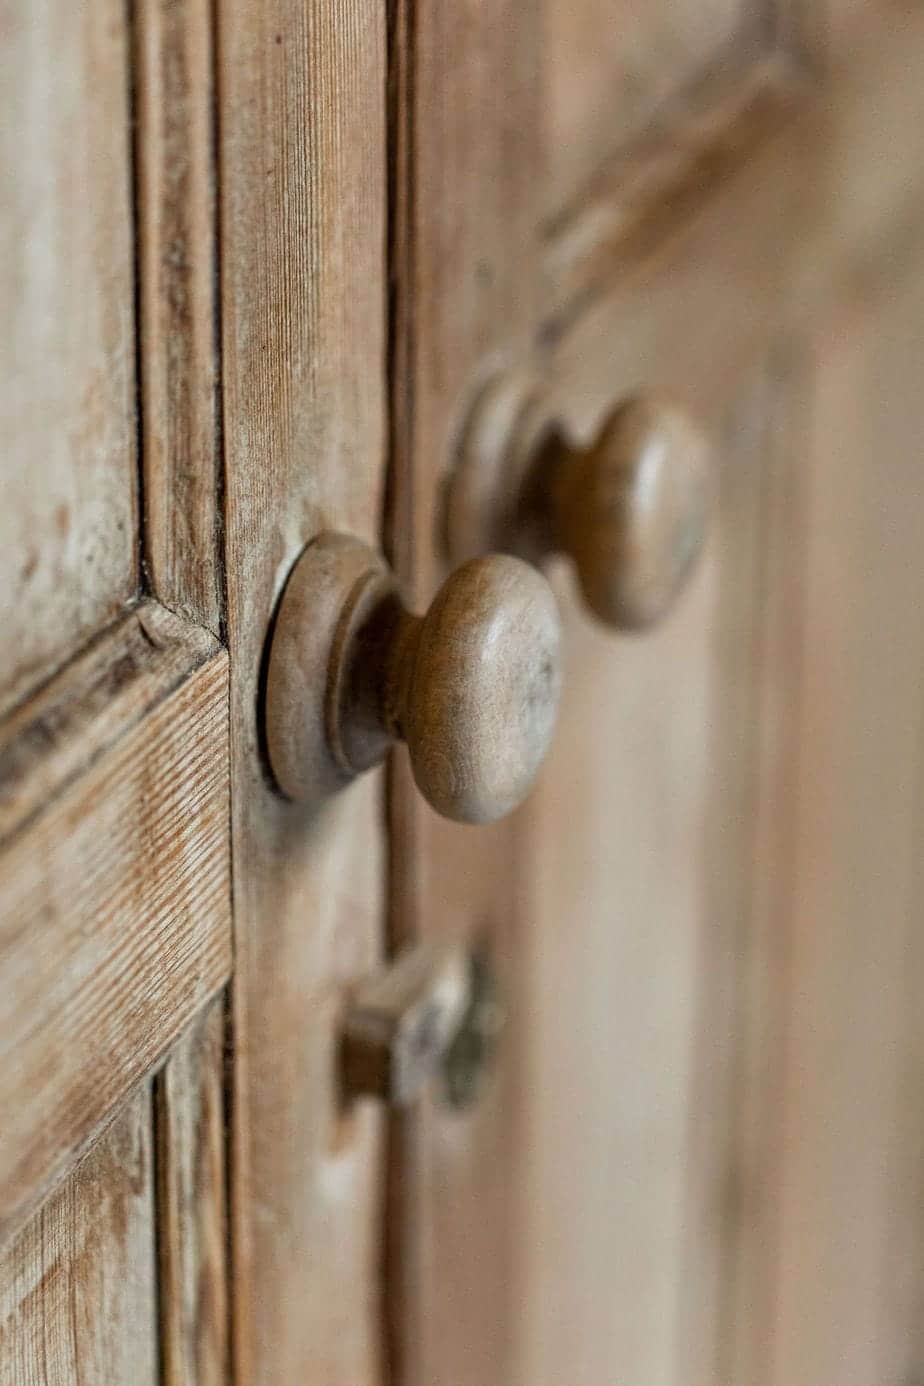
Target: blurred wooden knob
pixel 403 1020
pixel 631 509
pixel 472 686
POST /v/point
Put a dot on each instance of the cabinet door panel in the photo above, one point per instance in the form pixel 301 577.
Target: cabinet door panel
pixel 852 1230
pixel 612 64
pixel 67 356
pixel 78 1296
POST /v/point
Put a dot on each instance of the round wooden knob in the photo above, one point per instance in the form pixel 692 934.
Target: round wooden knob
pixel 472 686
pixel 631 510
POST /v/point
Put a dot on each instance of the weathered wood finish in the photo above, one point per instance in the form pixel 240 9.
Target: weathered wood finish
pixel 192 1234
pixel 115 911
pixel 176 251
pixel 302 129
pixel 78 1296
pixel 698 1159
pixel 67 503
pixel 466 171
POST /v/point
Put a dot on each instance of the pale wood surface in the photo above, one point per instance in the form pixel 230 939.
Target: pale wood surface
pixel 78 1298
pixel 847 1303
pixel 176 249
pixel 115 910
pixel 189 1126
pixel 611 64
pixel 727 245
pixel 611 956
pixel 302 130
pixel 67 477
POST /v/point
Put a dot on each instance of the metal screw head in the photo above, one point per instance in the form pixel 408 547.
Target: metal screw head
pixel 468 1059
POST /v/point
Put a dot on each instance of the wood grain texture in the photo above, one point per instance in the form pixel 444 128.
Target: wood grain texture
pixel 466 192
pixel 67 476
pixel 78 1300
pixel 302 137
pixel 115 912
pixel 179 356
pixel 189 1126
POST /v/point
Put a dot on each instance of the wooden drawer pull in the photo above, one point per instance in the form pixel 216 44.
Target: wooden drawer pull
pixel 472 686
pixel 631 509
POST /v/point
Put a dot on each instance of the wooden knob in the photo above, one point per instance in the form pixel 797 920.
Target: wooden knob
pixel 631 510
pixel 403 1020
pixel 472 686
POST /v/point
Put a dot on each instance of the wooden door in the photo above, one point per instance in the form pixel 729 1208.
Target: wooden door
pixel 259 261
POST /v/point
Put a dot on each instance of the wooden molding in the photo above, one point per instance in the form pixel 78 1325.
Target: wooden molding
pixel 115 917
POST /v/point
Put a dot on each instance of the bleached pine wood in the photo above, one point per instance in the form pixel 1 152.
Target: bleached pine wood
pixel 612 952
pixel 67 472
pixel 850 1267
pixel 115 907
pixel 174 64
pixel 302 139
pixel 78 1297
pixel 189 1127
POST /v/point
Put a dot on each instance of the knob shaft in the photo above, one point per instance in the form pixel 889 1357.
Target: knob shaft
pixel 472 686
pixel 631 510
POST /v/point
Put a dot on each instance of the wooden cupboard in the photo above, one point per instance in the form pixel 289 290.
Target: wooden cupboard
pixel 258 263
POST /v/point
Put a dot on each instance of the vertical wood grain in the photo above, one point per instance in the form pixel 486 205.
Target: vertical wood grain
pixel 302 197
pixel 191 1225
pixel 67 379
pixel 78 1298
pixel 179 348
pixel 465 159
